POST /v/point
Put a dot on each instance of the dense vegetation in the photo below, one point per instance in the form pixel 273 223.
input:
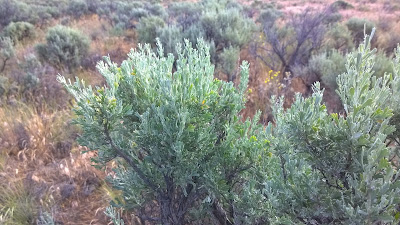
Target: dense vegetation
pixel 201 123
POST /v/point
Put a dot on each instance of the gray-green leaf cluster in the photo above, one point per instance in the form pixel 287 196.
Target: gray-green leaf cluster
pixel 178 139
pixel 64 48
pixel 184 154
pixel 334 168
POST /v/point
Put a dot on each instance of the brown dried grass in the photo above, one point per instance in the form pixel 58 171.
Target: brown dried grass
pixel 59 178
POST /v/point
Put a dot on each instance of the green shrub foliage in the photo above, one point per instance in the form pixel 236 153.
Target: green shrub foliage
pixel 178 139
pixel 126 14
pixel 77 8
pixel 339 37
pixel 338 169
pixel 8 11
pixel 327 66
pixel 26 11
pixel 221 24
pixel 64 48
pixel 229 59
pixel 340 4
pixel 356 27
pixel 148 29
pixel 224 25
pixel 7 51
pixel 383 64
pixel 19 31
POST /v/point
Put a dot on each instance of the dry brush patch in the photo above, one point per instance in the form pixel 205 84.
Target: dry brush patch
pixel 43 170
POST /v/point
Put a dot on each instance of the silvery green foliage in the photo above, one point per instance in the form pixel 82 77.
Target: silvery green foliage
pixel 358 27
pixel 7 51
pixel 229 58
pixel 148 28
pixel 64 48
pixel 46 219
pixel 125 14
pixel 223 24
pixel 114 216
pixel 183 152
pixel 332 168
pixel 25 11
pixel 19 31
pixel 339 37
pixel 226 24
pixel 327 66
pixel 77 8
pixel 8 11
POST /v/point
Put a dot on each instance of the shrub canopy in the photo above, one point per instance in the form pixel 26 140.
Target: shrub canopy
pixel 64 48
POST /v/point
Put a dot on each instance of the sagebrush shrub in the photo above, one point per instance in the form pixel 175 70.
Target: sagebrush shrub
pixel 340 4
pixel 356 27
pixel 19 31
pixel 77 8
pixel 222 24
pixel 338 169
pixel 7 51
pixel 327 66
pixel 383 64
pixel 64 48
pixel 125 14
pixel 8 11
pixel 229 59
pixel 181 147
pixel 148 27
pixel 339 37
pixel 227 27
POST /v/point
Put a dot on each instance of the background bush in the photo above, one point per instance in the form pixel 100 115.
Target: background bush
pixel 221 24
pixel 77 8
pixel 19 31
pixel 64 48
pixel 126 14
pixel 229 60
pixel 7 51
pixel 383 64
pixel 356 27
pixel 339 37
pixel 287 47
pixel 148 29
pixel 327 66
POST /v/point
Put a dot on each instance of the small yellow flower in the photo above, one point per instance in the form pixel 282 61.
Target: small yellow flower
pixel 204 101
pixel 253 138
pixel 250 91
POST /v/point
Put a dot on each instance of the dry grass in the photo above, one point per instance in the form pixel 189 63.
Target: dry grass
pixel 39 151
